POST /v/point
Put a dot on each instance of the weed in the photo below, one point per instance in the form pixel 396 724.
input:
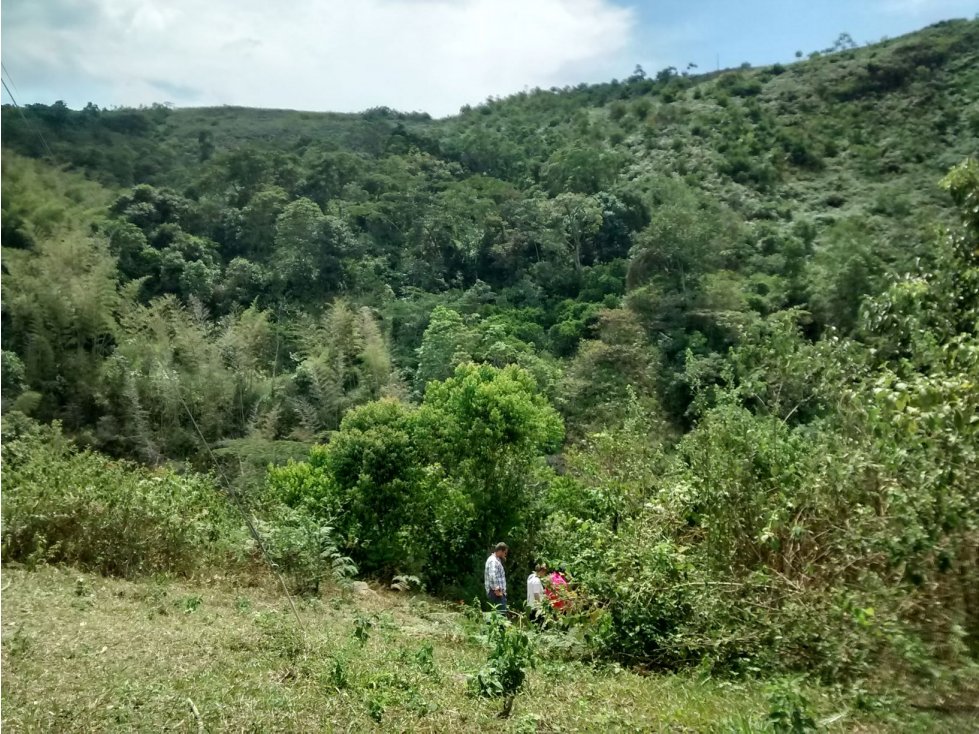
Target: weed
pixel 788 709
pixel 385 621
pixel 282 635
pixel 190 604
pixel 337 673
pixel 375 709
pixel 20 643
pixel 526 724
pixel 82 587
pixel 506 669
pixel 306 551
pixel 362 627
pixel 737 724
pixel 424 659
pixel 83 604
pixel 418 704
pixel 473 610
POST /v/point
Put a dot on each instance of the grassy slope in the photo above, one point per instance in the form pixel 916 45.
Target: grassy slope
pixel 85 653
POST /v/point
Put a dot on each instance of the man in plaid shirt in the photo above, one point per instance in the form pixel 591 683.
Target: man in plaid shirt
pixel 494 577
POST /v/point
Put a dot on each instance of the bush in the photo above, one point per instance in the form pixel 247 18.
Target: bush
pixel 506 669
pixel 800 150
pixel 820 516
pixel 740 85
pixel 426 491
pixel 305 550
pixel 63 505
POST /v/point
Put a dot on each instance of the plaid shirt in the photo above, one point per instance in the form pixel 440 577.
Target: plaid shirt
pixel 494 577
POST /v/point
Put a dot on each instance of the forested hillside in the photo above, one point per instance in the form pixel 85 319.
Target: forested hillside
pixel 708 339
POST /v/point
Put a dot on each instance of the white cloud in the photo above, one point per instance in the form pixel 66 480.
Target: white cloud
pixel 432 55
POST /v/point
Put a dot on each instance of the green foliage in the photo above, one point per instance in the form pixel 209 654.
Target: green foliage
pixel 506 668
pixel 373 462
pixel 424 491
pixel 806 459
pixel 446 343
pixel 788 711
pixel 338 675
pixel 424 659
pixel 303 549
pixel 59 301
pixel 486 427
pixel 607 373
pixel 579 169
pixel 63 505
pixel 766 370
pixel 306 246
pixel 362 628
pixel 303 484
pixel 343 361
pixel 683 237
pixel 740 84
pixel 818 516
pixel 579 219
pixel 285 212
pixel 843 270
pixel 190 604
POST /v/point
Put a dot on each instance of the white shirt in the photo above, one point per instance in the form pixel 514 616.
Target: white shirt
pixel 535 591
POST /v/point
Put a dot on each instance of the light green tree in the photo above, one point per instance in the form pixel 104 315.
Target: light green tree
pixel 579 219
pixel 486 427
pixel 446 343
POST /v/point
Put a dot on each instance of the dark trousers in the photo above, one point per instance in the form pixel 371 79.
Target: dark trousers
pixel 498 602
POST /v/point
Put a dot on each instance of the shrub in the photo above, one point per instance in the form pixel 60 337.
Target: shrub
pixel 304 550
pixel 506 669
pixel 788 710
pixel 63 505
pixel 740 85
pixel 819 516
pixel 800 150
pixel 425 491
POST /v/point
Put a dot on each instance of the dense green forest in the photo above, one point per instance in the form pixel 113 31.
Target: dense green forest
pixel 709 340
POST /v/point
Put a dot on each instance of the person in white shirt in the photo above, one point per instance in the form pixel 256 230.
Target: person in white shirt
pixel 535 592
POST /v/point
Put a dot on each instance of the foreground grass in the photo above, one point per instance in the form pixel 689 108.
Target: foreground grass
pixel 85 653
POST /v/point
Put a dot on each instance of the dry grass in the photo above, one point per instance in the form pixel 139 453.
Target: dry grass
pixel 84 653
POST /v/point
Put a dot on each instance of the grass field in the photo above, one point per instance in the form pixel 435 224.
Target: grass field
pixel 86 653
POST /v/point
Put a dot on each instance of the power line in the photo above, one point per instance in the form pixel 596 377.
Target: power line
pixel 3 66
pixel 241 508
pixel 20 109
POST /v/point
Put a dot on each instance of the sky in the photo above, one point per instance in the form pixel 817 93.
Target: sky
pixel 414 55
